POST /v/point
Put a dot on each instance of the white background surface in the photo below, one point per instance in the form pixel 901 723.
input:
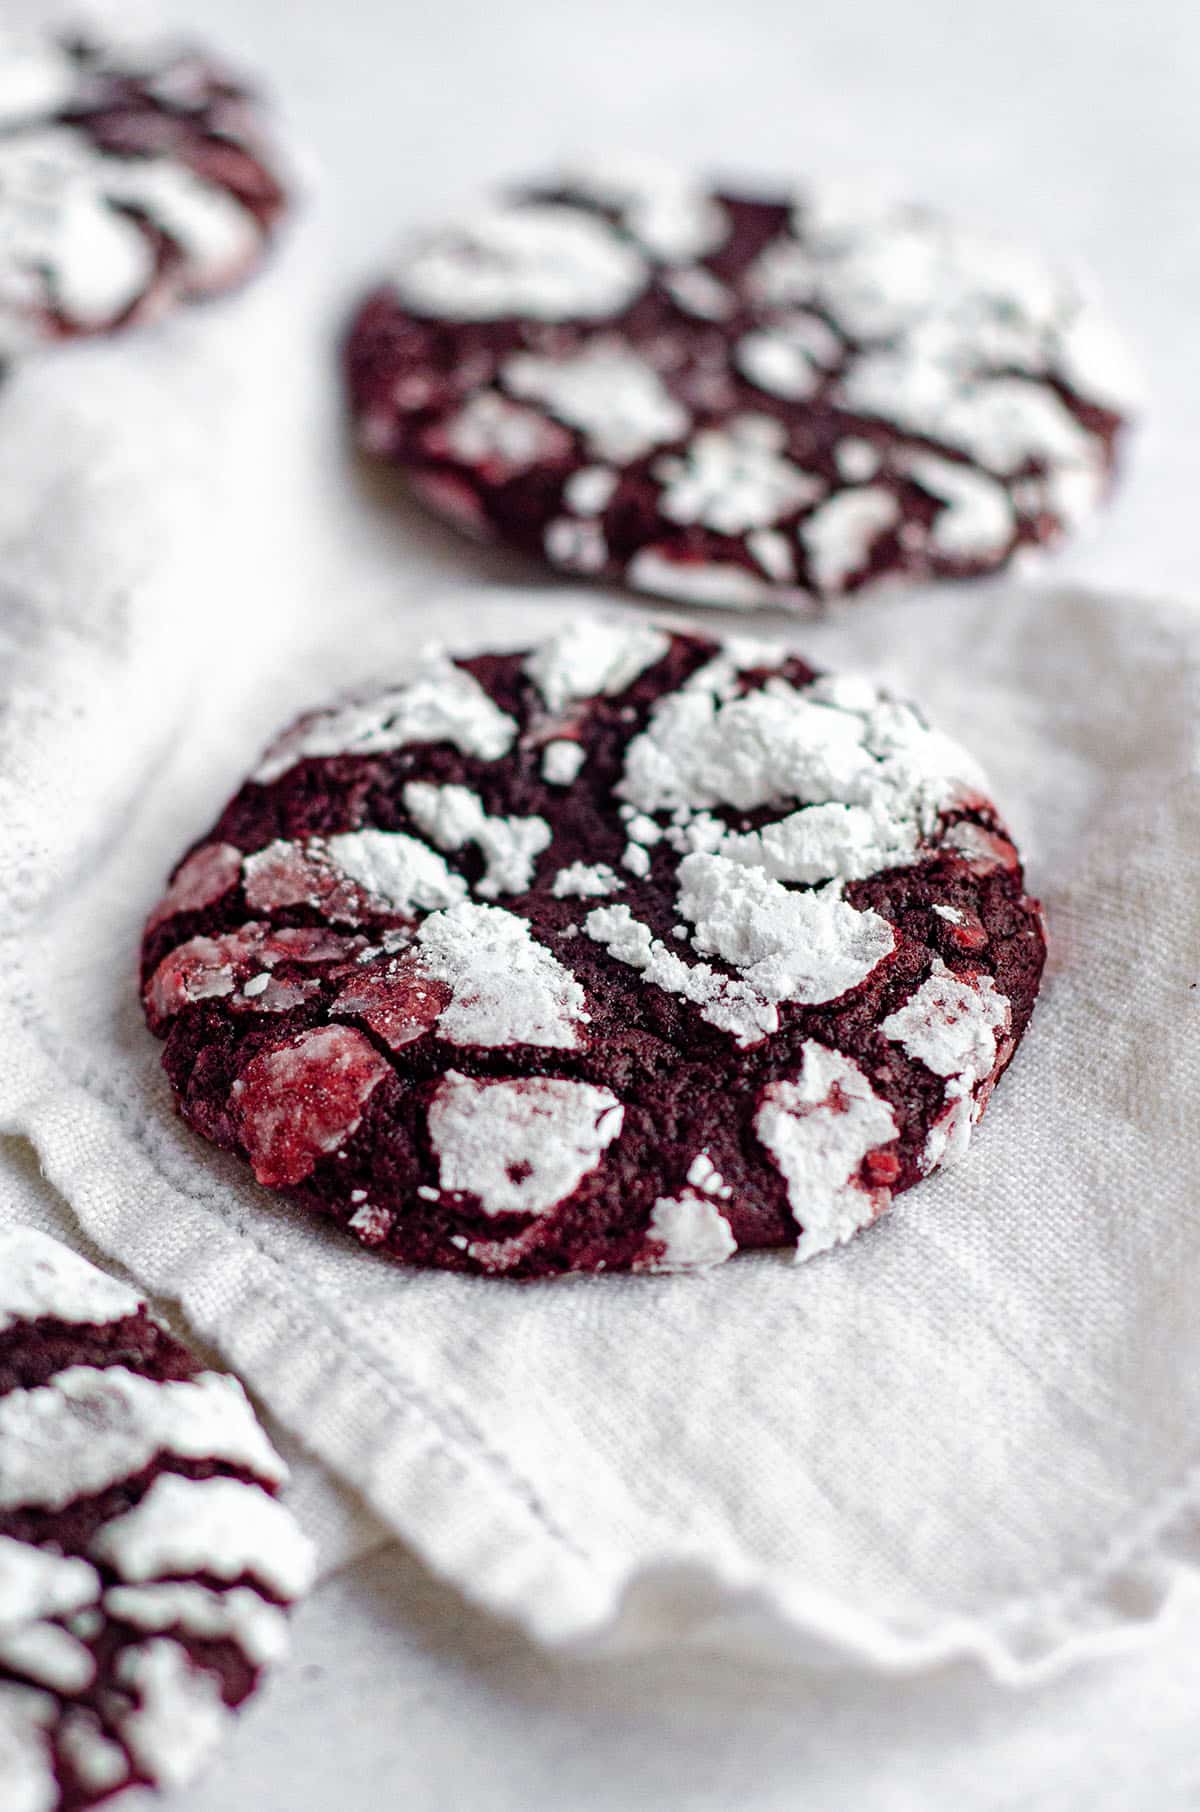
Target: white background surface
pixel 1075 125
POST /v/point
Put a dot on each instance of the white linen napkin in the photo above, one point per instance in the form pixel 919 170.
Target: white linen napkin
pixel 971 1432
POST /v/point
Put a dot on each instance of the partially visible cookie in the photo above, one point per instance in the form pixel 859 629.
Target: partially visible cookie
pixel 145 1564
pixel 131 178
pixel 626 952
pixel 730 398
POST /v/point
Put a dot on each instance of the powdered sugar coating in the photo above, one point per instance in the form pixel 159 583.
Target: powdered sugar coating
pixel 453 816
pixel 41 1279
pixel 439 703
pixel 687 1232
pixel 551 263
pixel 115 201
pixel 733 926
pixel 520 1147
pixel 818 1128
pixel 89 1428
pixel 952 1025
pixel 742 399
pixel 113 1673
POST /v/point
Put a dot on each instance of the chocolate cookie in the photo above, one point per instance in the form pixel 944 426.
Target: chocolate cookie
pixel 144 1562
pixel 626 952
pixel 731 400
pixel 131 178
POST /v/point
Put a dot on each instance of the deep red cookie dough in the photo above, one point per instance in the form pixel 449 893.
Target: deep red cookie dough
pixel 628 952
pixel 145 1564
pixel 734 400
pixel 132 177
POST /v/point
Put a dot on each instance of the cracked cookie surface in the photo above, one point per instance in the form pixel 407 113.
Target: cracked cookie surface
pixel 628 951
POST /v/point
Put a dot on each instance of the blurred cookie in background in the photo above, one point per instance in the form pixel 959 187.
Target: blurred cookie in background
pixel 132 177
pixel 727 398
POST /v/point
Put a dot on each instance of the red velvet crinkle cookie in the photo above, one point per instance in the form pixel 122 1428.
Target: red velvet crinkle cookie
pixel 145 1564
pixel 626 952
pixel 131 178
pixel 731 400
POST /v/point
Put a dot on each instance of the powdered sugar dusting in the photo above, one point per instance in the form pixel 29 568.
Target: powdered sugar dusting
pixel 818 1129
pixel 89 1428
pixel 593 656
pixel 615 399
pixel 549 262
pixel 453 816
pixel 40 1278
pixel 952 1025
pixel 520 1147
pixel 734 479
pixel 180 1716
pixel 687 1233
pixel 505 987
pixel 25 1759
pixel 216 1526
pixel 441 703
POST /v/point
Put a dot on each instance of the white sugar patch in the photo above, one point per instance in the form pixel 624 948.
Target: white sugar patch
pixel 453 816
pixel 26 1765
pixel 440 703
pixel 99 1762
pixel 37 76
pixel 578 546
pixel 90 1427
pixel 217 236
pixel 590 490
pixel 615 399
pixel 562 761
pixel 837 743
pixel 822 843
pixel 218 1526
pixel 240 1615
pixel 180 1717
pixel 665 209
pixel 719 584
pixel 506 988
pixel 790 358
pixel 585 881
pixel 732 1006
pixel 551 263
pixel 697 292
pixel 687 1233
pixel 951 1024
pixel 490 430
pixel 809 947
pixel 41 1279
pixel 734 479
pixel 397 871
pixel 36 1583
pixel 818 1129
pixel 593 657
pixel 520 1147
pixel 840 536
pixel 37 1589
pixel 60 241
pixel 977 520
